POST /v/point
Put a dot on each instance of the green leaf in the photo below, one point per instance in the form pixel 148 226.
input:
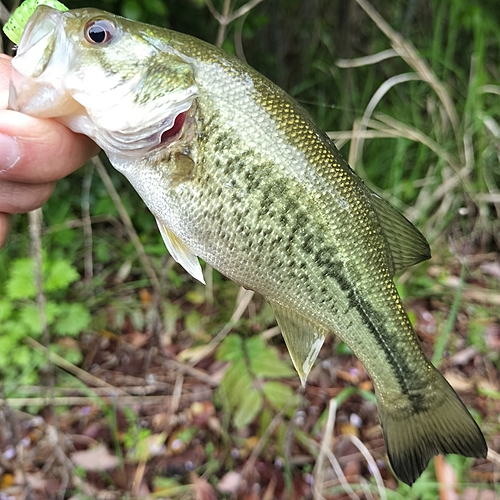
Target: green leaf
pixel 251 405
pixel 156 7
pixel 29 316
pixel 186 435
pixel 6 309
pixel 236 383
pixel 72 320
pixel 147 446
pixel 231 348
pixel 193 322
pixel 167 487
pixel 196 297
pixel 280 395
pixel 52 311
pixel 265 362
pixel 21 284
pixel 73 356
pixel 170 317
pixel 60 274
pixel 132 10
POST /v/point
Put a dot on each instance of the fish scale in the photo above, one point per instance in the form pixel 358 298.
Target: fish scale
pixel 247 182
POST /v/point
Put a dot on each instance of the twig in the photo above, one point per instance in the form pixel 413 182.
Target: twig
pixel 87 222
pixel 223 22
pixel 357 147
pixel 490 89
pixel 278 418
pixel 238 38
pixel 270 332
pixel 243 10
pixel 371 465
pixel 408 52
pixel 414 134
pixel 138 477
pixel 176 394
pixel 155 313
pixel 226 18
pixel 326 451
pixel 135 390
pixel 244 298
pixel 318 472
pixel 340 474
pixel 493 456
pixel 367 134
pixel 71 368
pixel 35 228
pixel 4 13
pixel 118 400
pixel 146 262
pixel 313 448
pixel 445 473
pixel 194 372
pixel 367 60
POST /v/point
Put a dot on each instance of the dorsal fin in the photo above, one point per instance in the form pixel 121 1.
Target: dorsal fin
pixel 407 244
pixel 180 252
pixel 303 338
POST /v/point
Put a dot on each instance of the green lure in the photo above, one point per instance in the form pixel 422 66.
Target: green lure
pixel 14 27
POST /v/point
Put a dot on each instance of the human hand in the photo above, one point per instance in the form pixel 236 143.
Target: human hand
pixel 34 153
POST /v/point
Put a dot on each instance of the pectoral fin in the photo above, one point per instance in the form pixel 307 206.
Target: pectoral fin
pixel 302 337
pixel 181 253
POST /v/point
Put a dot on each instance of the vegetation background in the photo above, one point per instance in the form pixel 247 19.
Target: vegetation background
pixel 121 377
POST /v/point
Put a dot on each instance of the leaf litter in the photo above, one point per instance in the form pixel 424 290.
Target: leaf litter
pixel 159 427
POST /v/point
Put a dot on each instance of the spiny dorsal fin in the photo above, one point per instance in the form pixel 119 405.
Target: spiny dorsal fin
pixel 302 337
pixel 407 244
pixel 180 252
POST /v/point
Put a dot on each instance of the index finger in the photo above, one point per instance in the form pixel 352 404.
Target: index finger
pixel 48 150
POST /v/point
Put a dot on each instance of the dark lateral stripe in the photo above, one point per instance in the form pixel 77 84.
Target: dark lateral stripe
pixel 326 256
pixel 334 268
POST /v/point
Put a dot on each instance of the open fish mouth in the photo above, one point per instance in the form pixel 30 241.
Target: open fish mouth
pixel 37 43
pixel 42 57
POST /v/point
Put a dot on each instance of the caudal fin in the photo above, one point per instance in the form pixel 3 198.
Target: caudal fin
pixel 439 423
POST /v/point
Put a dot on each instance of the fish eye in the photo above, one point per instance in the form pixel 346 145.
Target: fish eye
pixel 99 31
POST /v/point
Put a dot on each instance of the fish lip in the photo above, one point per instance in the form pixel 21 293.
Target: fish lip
pixel 38 35
pixel 33 88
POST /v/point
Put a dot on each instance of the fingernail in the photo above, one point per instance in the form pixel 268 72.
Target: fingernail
pixel 9 152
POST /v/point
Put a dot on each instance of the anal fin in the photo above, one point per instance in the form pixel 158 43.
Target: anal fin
pixel 303 338
pixel 181 253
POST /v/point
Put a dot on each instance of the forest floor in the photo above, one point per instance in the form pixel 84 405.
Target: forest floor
pixel 144 422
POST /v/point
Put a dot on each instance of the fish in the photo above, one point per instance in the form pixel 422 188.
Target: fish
pixel 237 174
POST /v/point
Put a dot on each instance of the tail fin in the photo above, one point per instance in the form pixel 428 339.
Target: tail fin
pixel 440 423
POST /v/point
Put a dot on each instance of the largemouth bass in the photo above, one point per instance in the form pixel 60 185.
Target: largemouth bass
pixel 237 174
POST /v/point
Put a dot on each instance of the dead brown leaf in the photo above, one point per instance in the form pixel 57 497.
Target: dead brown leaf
pixel 95 459
pixel 458 382
pixel 230 482
pixel 203 490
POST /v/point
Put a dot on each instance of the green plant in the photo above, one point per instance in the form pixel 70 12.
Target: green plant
pixel 246 386
pixel 20 317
